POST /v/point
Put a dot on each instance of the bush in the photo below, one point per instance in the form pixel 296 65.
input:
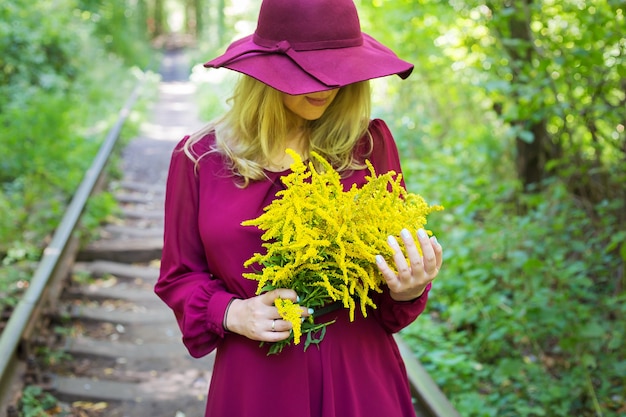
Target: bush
pixel 56 104
pixel 524 319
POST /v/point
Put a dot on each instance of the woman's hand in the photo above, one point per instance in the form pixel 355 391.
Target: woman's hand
pixel 413 276
pixel 257 318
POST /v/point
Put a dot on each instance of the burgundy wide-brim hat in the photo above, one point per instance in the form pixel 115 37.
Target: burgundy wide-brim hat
pixel 305 46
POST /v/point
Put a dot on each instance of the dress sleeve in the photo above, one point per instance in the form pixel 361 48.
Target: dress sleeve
pixel 185 284
pixel 393 315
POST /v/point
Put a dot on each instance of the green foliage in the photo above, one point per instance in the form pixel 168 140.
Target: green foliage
pixel 525 318
pixel 14 279
pixel 526 312
pixel 35 402
pixel 35 57
pixel 214 88
pixel 121 27
pixel 49 357
pixel 60 91
pixel 556 69
pixel 100 208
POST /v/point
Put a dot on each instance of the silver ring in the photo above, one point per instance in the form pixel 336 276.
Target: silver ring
pixel 274 325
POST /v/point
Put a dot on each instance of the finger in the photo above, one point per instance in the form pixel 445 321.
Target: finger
pixel 287 294
pixel 403 267
pixel 284 293
pixel 438 251
pixel 388 274
pixel 279 326
pixel 428 252
pixel 278 330
pixel 306 312
pixel 412 251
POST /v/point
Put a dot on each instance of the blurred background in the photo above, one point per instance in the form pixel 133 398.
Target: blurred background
pixel 513 120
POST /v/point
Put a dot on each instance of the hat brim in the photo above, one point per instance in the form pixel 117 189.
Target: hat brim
pixel 342 65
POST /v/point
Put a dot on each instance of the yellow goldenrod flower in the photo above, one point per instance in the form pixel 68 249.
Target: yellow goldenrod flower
pixel 291 312
pixel 322 241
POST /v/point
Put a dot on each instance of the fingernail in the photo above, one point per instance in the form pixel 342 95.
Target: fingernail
pixel 301 319
pixel 435 240
pixel 405 234
pixel 392 241
pixel 380 260
pixel 297 299
pixel 422 233
pixel 311 311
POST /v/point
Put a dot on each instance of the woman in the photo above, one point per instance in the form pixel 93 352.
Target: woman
pixel 305 87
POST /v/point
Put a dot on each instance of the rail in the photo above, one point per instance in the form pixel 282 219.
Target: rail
pixel 429 399
pixel 56 255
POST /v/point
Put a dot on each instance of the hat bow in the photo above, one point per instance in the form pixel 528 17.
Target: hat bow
pixel 294 52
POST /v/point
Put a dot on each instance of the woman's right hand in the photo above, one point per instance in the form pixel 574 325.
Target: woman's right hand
pixel 257 318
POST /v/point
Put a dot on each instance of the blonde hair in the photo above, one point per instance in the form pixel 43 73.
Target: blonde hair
pixel 256 125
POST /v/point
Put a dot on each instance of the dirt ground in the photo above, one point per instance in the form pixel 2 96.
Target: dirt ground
pixel 174 115
pixel 146 160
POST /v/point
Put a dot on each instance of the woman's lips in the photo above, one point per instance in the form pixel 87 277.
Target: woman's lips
pixel 318 102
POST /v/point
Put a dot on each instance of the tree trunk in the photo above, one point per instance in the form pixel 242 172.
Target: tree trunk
pixel 198 7
pixel 532 155
pixel 159 26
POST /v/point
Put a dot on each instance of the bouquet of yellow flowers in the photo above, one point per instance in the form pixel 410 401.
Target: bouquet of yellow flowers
pixel 322 241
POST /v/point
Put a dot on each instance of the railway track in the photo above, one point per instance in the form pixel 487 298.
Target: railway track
pixel 90 330
pixel 124 345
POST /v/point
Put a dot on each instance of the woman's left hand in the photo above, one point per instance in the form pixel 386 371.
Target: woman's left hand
pixel 415 274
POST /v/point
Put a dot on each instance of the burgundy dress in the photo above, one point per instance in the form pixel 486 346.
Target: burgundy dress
pixel 356 371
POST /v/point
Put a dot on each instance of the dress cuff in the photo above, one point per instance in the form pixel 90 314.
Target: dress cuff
pixel 416 299
pixel 216 311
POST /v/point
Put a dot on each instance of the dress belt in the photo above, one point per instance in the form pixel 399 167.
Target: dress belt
pixel 328 309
